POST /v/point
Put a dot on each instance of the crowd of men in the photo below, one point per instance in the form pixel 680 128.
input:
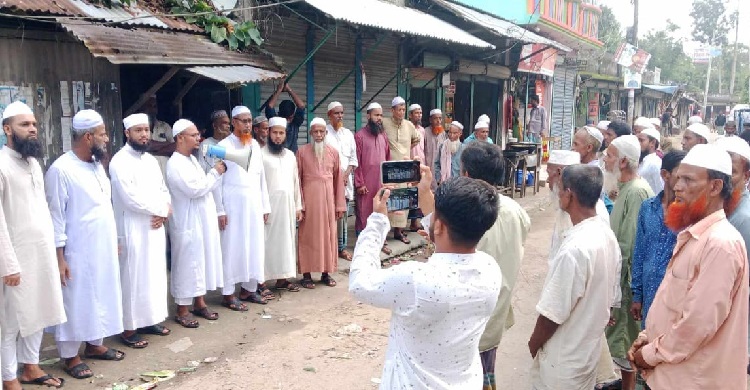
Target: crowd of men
pixel 86 243
pixel 647 267
pixel 655 287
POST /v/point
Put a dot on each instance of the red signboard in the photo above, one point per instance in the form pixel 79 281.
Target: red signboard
pixel 537 60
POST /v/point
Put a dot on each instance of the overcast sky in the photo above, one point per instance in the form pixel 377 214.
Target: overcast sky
pixel 654 13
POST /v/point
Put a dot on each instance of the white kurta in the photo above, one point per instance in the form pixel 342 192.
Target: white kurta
pixel 439 311
pixel 27 244
pixel 138 194
pixel 243 198
pixel 650 170
pixel 193 226
pixel 282 179
pixel 80 201
pixel 577 295
pixel 343 141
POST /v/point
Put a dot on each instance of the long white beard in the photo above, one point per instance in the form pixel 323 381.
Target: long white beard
pixel 611 180
pixel 454 146
pixel 554 198
pixel 320 151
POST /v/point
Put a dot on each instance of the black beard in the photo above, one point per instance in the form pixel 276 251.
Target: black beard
pixel 644 153
pixel 375 127
pixel 139 147
pixel 28 147
pixel 275 148
pixel 99 153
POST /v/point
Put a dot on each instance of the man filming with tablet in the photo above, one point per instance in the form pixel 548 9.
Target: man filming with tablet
pixel 440 307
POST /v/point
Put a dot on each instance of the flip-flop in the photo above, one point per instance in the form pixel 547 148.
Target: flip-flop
pixel 135 341
pixel 158 330
pixel 205 313
pixel 76 371
pixel 41 381
pixel 111 354
pixel 385 249
pixel 265 292
pixel 403 239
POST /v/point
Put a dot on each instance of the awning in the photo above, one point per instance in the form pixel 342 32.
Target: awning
pixel 386 16
pixel 139 46
pixel 670 89
pixel 499 26
pixel 235 76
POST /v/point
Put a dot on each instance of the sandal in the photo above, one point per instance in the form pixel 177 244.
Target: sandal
pixel 205 313
pixel 187 322
pixel 403 239
pixel 135 341
pixel 289 286
pixel 344 254
pixel 234 305
pixel 385 249
pixel 158 330
pixel 42 381
pixel 328 281
pixel 265 292
pixel 307 283
pixel 77 371
pixel 254 297
pixel 111 354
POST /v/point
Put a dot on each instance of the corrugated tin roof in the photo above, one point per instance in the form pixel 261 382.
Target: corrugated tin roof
pixel 386 16
pixel 235 76
pixel 139 46
pixel 131 15
pixel 499 26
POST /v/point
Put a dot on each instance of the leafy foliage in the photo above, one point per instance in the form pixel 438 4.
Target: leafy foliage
pixel 710 18
pixel 610 30
pixel 668 54
pixel 220 28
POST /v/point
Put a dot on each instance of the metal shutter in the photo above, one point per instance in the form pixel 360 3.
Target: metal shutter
pixel 563 107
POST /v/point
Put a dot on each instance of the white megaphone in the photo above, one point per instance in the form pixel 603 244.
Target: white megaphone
pixel 240 157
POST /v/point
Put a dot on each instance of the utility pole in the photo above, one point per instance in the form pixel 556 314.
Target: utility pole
pixel 736 38
pixel 631 92
pixel 708 73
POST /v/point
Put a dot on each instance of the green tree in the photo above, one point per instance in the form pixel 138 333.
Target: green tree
pixel 711 22
pixel 668 54
pixel 610 30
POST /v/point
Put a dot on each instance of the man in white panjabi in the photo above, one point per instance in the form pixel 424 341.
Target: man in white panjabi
pixel 196 247
pixel 30 294
pixel 558 160
pixel 80 201
pixel 243 207
pixel 439 308
pixel 282 178
pixel 578 291
pixel 434 135
pixel 142 204
pixel 342 139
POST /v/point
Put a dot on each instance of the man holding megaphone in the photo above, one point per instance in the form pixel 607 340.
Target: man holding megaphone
pixel 243 207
